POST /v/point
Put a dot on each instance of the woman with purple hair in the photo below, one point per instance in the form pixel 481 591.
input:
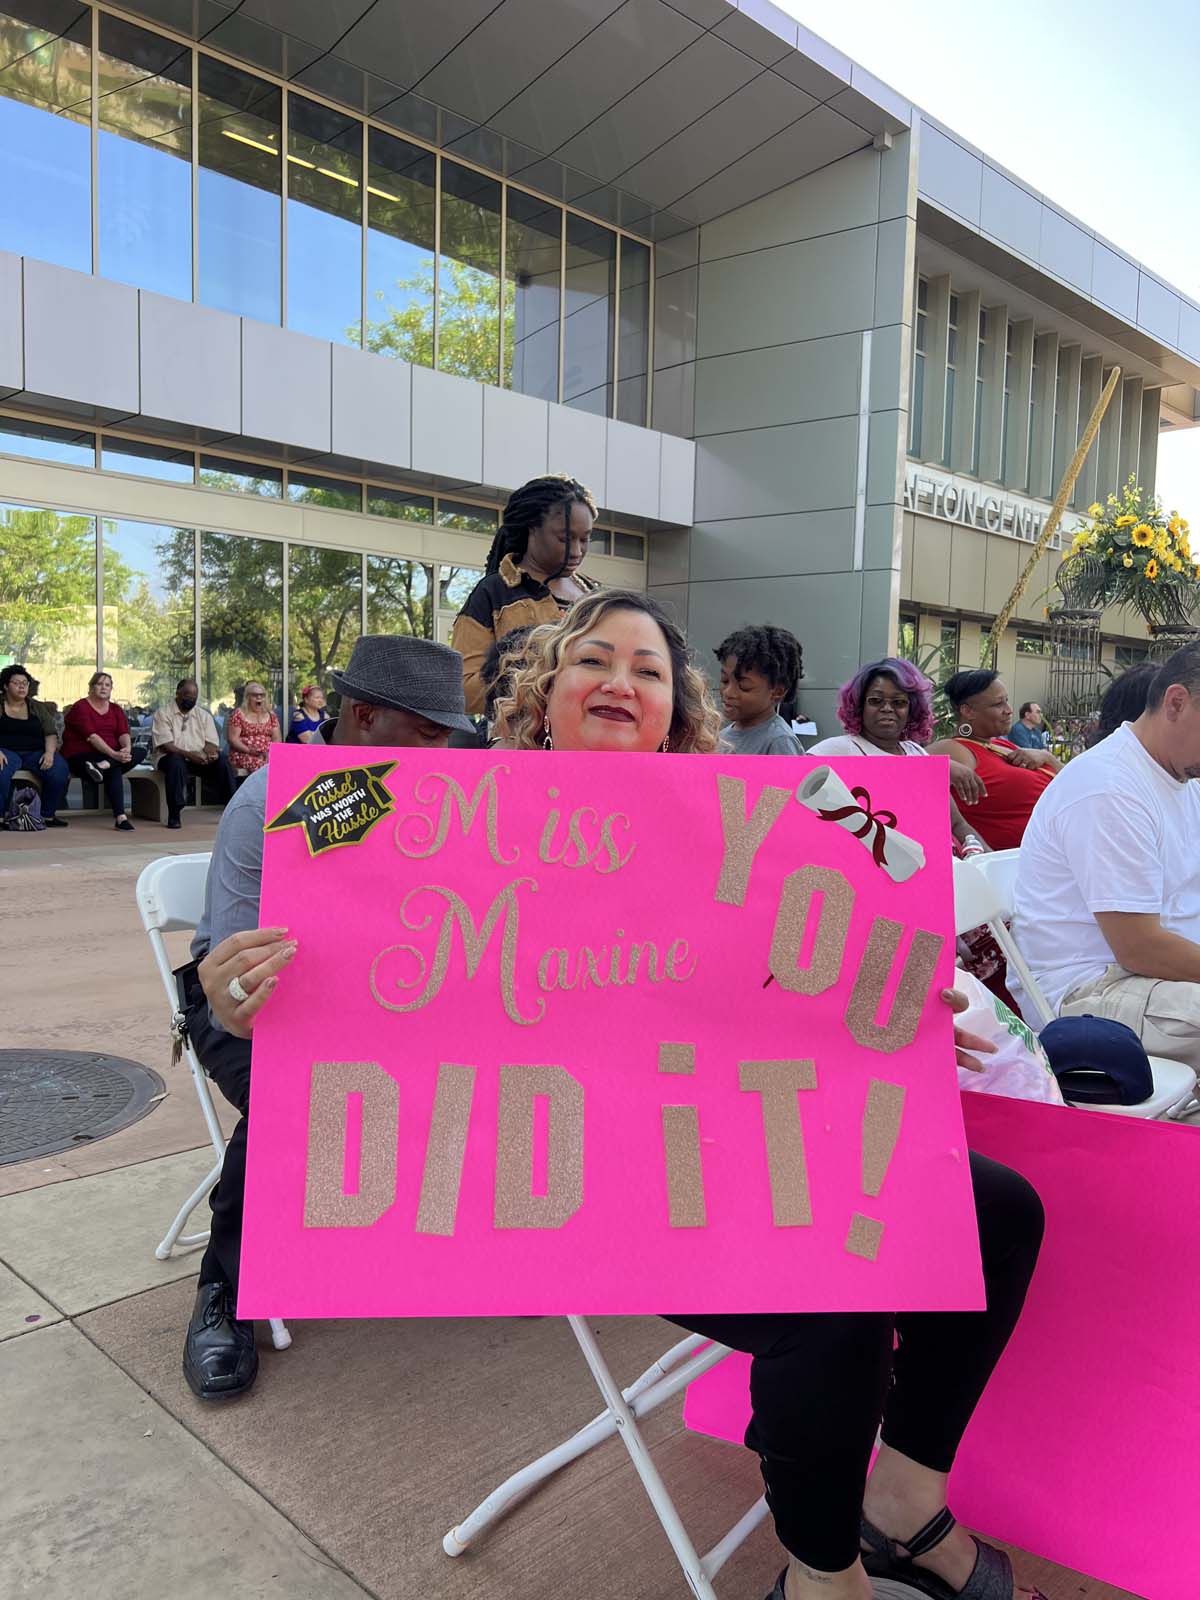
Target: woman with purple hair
pixel 887 710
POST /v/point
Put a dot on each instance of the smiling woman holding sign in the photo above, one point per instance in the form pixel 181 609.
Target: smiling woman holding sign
pixel 614 676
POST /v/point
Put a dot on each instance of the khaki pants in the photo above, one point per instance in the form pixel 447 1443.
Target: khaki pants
pixel 1164 1015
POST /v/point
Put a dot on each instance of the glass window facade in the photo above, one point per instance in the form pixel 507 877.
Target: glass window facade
pixel 324 614
pixel 149 460
pixel 48 596
pixel 399 596
pixel 144 158
pixel 917 398
pixel 399 503
pixel 324 222
pixel 951 367
pixel 335 494
pixel 45 131
pixel 148 634
pixel 240 219
pixel 588 324
pixel 241 619
pixel 219 184
pixel 467 518
pixel 42 441
pixel 239 477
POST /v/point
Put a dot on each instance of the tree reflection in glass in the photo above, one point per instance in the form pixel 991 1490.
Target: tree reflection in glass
pixel 324 615
pixel 401 212
pixel 399 597
pixel 48 596
pixel 149 619
pixel 241 618
pixel 468 338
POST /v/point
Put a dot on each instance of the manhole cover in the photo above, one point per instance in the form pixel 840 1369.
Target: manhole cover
pixel 60 1099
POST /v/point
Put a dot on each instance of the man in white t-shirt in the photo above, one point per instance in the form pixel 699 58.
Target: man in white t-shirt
pixel 1108 887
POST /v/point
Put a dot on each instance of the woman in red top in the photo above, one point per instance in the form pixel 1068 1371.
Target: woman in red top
pixel 96 744
pixel 1013 778
pixel 251 730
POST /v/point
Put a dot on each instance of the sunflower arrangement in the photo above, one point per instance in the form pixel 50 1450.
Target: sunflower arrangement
pixel 1131 553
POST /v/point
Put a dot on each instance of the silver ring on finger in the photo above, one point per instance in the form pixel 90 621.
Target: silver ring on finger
pixel 236 991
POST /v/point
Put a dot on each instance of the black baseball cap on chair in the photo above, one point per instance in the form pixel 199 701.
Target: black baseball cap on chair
pixel 1097 1061
pixel 407 674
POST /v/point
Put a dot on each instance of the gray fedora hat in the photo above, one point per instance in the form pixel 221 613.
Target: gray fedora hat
pixel 407 674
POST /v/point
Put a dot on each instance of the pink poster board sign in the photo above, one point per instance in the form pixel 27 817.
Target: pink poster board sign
pixel 1083 1449
pixel 616 1035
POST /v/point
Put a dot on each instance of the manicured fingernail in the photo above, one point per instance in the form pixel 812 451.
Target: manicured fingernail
pixel 271 985
pixel 289 950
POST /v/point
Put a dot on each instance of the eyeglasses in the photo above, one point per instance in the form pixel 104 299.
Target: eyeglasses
pixel 877 703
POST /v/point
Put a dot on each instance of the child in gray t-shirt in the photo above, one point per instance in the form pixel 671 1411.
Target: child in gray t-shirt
pixel 760 668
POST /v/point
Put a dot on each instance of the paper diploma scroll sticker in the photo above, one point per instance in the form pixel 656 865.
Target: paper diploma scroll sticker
pixel 824 794
pixel 338 808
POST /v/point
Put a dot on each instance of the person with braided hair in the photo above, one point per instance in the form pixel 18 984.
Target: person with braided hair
pixel 532 572
pixel 760 668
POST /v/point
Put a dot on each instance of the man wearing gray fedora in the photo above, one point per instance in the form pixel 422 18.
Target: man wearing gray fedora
pixel 396 691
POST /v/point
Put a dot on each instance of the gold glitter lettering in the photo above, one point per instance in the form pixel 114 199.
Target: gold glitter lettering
pixel 326 1204
pixel 743 835
pixel 874 974
pixel 791 923
pixel 685 1174
pixel 778 1083
pixel 503 909
pixel 516 1206
pixel 442 1177
pixel 425 839
pixel 679 1058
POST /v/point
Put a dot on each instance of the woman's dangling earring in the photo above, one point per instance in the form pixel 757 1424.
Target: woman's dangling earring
pixel 547 742
pixel 665 745
pixel 964 730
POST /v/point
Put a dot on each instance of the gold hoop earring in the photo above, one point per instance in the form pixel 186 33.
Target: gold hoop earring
pixel 548 741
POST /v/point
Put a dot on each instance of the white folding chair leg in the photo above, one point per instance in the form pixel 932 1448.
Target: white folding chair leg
pixel 670 1373
pixel 174 1234
pixel 280 1337
pixel 631 1437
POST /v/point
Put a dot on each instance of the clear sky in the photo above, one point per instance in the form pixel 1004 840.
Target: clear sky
pixel 1092 103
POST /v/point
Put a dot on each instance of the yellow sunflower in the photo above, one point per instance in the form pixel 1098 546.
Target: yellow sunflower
pixel 1152 569
pixel 1142 535
pixel 1127 521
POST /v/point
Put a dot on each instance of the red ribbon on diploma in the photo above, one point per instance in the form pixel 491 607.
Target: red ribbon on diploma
pixel 881 821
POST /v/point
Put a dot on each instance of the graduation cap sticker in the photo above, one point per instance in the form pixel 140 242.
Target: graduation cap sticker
pixel 338 808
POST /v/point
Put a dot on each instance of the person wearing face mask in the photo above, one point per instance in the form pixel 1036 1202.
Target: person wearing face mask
pixel 532 573
pixel 1013 778
pixel 184 739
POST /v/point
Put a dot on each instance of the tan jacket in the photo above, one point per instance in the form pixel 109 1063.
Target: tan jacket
pixel 190 730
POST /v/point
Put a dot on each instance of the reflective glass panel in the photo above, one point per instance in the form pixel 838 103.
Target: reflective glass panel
pixel 324 232
pixel 145 158
pixel 630 545
pixel 149 610
pixel 467 518
pixel 599 543
pixel 532 280
pixel 468 337
pixel 588 331
pixel 43 442
pixel 241 619
pixel 401 211
pixel 397 503
pixel 457 583
pixel 634 353
pixel 239 137
pixel 309 490
pixel 324 615
pixel 399 596
pixel 48 597
pixel 45 131
pixel 241 477
pixel 148 460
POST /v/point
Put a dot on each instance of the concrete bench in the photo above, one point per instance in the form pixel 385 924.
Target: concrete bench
pixel 148 792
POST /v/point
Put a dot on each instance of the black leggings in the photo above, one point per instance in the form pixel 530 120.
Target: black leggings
pixel 821 1382
pixel 113 775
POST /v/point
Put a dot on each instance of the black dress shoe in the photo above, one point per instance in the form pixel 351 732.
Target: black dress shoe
pixel 56 822
pixel 219 1358
pixel 174 822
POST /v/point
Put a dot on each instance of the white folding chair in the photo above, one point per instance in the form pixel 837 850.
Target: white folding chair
pixel 623 1408
pixel 170 899
pixel 983 893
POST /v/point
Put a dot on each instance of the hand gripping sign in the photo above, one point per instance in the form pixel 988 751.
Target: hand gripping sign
pixel 525 1061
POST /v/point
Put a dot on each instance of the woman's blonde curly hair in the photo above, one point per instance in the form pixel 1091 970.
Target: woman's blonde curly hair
pixel 521 717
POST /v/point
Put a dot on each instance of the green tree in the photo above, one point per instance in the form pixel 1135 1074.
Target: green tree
pixel 47 581
pixel 468 322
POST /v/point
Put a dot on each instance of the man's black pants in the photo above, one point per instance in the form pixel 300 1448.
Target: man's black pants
pixel 226 1060
pixel 176 770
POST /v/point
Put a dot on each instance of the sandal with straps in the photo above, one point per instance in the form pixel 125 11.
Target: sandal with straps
pixel 991 1577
